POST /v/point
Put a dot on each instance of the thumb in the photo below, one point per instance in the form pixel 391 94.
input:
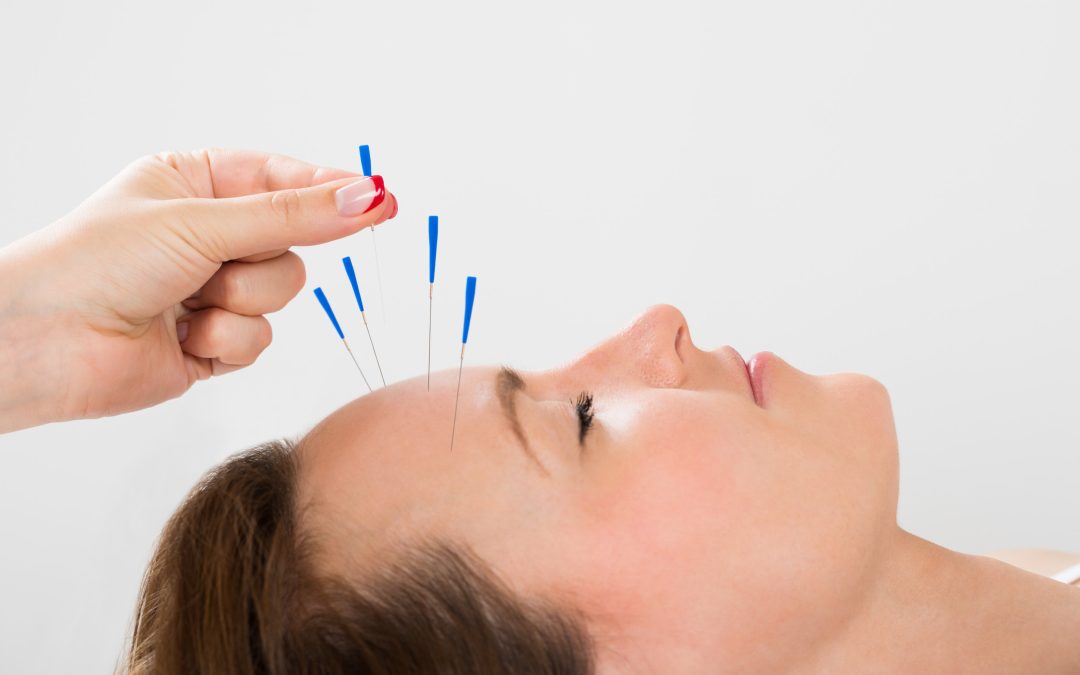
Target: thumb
pixel 237 227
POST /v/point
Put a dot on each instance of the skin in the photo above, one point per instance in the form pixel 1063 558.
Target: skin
pixel 696 529
pixel 161 278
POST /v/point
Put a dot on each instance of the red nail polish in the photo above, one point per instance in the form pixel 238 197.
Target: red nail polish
pixel 380 193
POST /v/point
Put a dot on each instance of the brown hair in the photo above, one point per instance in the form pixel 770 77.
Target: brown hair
pixel 232 589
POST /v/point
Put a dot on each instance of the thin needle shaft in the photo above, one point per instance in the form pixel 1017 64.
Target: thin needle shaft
pixel 378 278
pixel 457 397
pixel 321 296
pixel 351 272
pixel 364 317
pixel 470 294
pixel 355 362
pixel 430 291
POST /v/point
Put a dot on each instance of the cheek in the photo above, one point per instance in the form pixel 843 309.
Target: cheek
pixel 722 501
pixel 663 503
pixel 667 456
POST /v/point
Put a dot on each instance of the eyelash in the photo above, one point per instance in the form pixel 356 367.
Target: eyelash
pixel 584 408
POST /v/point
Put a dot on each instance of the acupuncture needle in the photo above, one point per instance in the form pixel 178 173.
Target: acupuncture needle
pixel 365 165
pixel 433 241
pixel 333 319
pixel 470 294
pixel 347 261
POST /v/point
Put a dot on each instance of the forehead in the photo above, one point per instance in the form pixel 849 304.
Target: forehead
pixel 386 457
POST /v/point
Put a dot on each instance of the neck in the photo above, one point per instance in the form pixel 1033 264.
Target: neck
pixel 935 610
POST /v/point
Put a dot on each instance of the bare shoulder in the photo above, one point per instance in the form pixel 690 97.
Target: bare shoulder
pixel 1039 561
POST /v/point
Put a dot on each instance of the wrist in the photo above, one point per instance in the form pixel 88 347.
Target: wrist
pixel 31 392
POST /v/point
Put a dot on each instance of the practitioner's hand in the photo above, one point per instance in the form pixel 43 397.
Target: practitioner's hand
pixel 162 278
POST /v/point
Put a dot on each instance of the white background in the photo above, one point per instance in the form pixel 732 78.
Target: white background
pixel 881 187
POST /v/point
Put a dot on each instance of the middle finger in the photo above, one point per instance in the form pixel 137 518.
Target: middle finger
pixel 252 288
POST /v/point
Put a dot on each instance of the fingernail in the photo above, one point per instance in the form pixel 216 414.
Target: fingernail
pixel 182 331
pixel 394 212
pixel 360 197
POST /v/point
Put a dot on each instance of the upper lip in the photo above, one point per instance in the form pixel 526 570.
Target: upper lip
pixel 749 380
pixel 746 373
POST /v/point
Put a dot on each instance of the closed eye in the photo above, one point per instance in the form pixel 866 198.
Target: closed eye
pixel 584 408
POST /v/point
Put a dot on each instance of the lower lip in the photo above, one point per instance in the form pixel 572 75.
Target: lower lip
pixel 755 367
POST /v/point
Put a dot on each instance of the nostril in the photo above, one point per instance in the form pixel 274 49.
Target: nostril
pixel 657 342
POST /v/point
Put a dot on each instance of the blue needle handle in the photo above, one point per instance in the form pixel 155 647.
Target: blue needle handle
pixel 470 295
pixel 329 312
pixel 433 243
pixel 347 261
pixel 365 159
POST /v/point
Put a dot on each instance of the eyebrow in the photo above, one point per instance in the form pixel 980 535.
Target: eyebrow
pixel 508 383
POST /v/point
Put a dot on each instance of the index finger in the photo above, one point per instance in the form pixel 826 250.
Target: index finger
pixel 217 172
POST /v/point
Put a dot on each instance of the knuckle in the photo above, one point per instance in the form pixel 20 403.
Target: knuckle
pixel 286 205
pixel 180 158
pixel 264 334
pixel 203 156
pixel 234 286
pixel 216 327
pixel 170 157
pixel 295 272
pixel 149 169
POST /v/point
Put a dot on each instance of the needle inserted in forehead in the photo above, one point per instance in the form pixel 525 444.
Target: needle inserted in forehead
pixel 470 294
pixel 433 241
pixel 333 319
pixel 365 165
pixel 347 261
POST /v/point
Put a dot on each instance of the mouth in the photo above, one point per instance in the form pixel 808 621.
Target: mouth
pixel 755 371
pixel 747 371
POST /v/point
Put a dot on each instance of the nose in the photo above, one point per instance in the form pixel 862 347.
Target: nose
pixel 650 351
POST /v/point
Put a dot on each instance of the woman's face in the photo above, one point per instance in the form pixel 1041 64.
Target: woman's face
pixel 696 518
